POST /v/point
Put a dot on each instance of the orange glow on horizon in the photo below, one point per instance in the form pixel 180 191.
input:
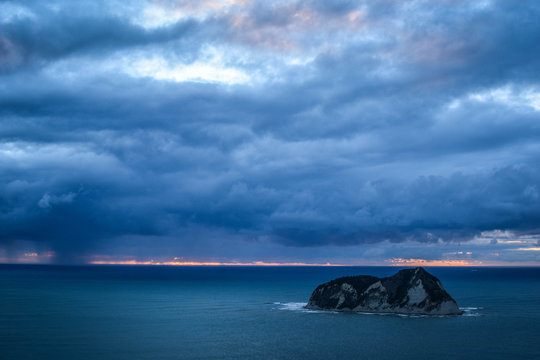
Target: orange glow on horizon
pixel 424 262
pixel 204 263
pixel 397 262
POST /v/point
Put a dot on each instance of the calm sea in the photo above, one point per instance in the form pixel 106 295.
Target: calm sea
pixel 131 312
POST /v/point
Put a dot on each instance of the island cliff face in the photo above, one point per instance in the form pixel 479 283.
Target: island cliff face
pixel 409 291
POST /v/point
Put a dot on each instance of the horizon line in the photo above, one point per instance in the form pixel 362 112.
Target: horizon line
pixel 272 264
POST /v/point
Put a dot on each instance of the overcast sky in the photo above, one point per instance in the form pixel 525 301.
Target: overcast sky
pixel 349 132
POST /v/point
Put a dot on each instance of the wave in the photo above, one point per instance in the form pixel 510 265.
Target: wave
pixel 471 311
pixel 300 306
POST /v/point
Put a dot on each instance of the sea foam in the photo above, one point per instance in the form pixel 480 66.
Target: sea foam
pixel 469 311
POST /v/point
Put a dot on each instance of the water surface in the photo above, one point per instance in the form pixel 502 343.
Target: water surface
pixel 132 312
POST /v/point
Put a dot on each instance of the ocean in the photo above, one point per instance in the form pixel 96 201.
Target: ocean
pixel 155 312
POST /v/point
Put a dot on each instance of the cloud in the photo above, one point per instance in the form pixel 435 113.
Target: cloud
pixel 47 200
pixel 61 31
pixel 295 124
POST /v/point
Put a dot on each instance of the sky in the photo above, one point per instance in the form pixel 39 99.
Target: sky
pixel 270 132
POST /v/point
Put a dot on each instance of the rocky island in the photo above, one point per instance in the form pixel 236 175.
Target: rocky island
pixel 409 291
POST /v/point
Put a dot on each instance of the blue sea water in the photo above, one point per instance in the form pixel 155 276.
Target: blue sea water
pixel 141 312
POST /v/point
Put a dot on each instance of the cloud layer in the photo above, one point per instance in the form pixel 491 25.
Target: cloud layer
pixel 243 129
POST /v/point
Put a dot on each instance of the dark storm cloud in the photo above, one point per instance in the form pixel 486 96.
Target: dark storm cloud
pixel 53 34
pixel 407 121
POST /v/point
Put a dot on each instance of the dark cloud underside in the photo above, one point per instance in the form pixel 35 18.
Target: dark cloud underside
pixel 290 123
